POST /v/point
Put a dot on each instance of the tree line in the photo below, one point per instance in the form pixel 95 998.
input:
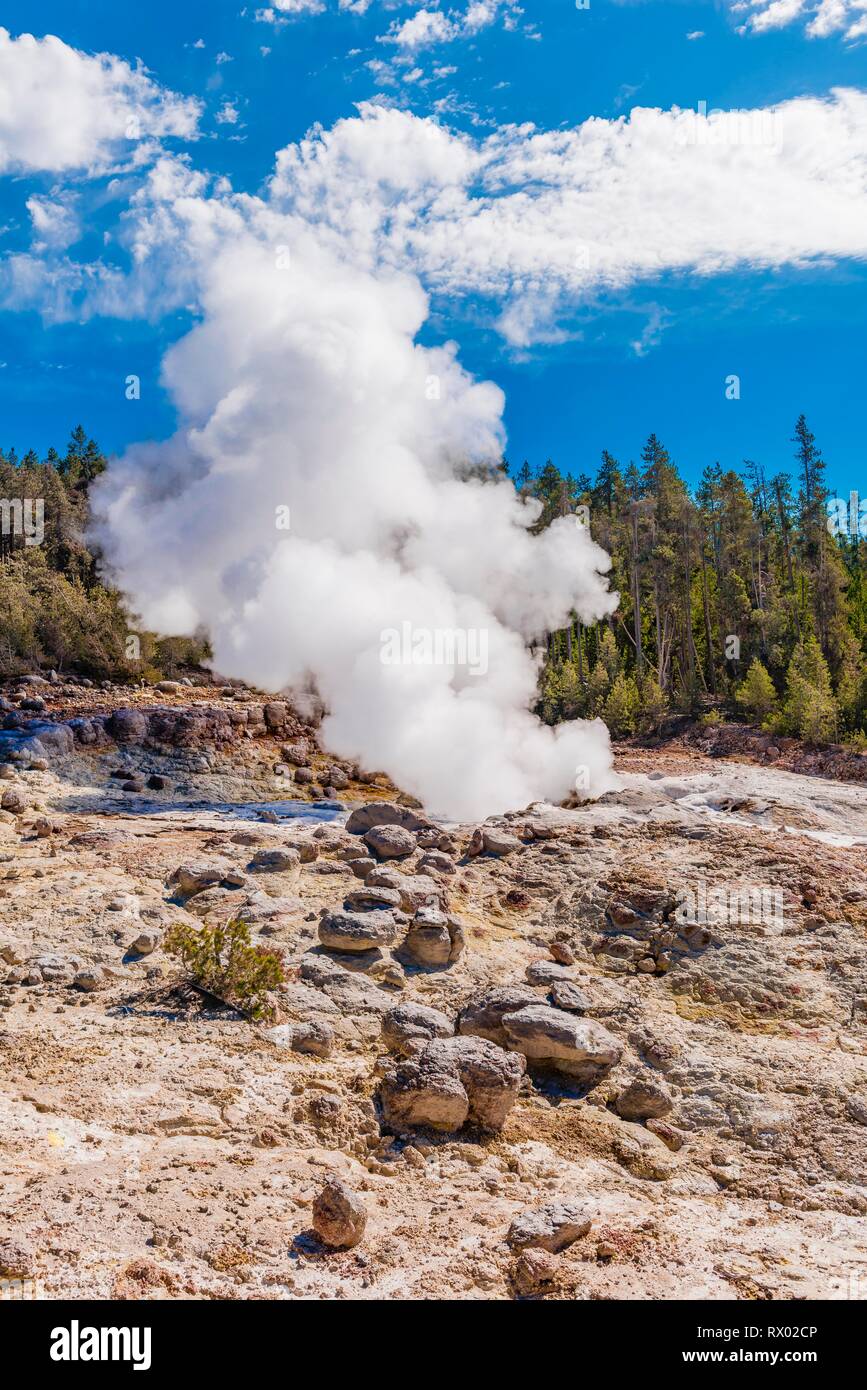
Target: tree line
pixel 55 610
pixel 736 598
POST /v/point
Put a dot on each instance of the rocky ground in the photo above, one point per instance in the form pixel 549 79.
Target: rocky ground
pixel 501 1065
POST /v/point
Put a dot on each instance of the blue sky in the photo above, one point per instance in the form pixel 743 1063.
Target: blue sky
pixel 650 354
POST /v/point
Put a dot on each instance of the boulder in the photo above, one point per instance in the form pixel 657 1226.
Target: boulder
pixel 487 839
pixel 339 1215
pixel 359 899
pixel 54 740
pixel 534 1269
pixel 87 731
pixel 483 1017
pixel 644 1098
pixel 577 1047
pixel 146 942
pixel 436 862
pixel 551 1227
pixel 546 972
pixel 450 1082
pixel 407 1027
pixel 57 969
pixel 375 813
pixel 276 712
pixel 433 940
pixel 91 978
pixel 357 931
pixel 390 841
pixel 128 725
pixel 416 890
pixel 314 1038
pixel 193 878
pixel 565 994
pixel 275 861
pixel 295 753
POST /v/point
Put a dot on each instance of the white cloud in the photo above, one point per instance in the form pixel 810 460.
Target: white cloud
pixel 821 18
pixel 56 222
pixel 425 28
pixel 227 114
pixel 540 224
pixel 276 12
pixel 431 26
pixel 66 110
pixel 548 219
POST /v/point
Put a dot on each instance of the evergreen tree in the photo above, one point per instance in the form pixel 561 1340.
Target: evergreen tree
pixel 756 694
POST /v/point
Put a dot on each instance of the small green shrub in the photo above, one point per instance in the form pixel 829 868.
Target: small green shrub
pixel 221 961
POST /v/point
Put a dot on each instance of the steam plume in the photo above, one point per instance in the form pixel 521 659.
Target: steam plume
pixel 303 387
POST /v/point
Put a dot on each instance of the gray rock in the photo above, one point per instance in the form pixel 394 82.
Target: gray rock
pixel 146 942
pixel 408 1026
pixel 314 1038
pixel 488 839
pixel 483 1017
pixel 644 1098
pixel 376 813
pixel 295 753
pixel 350 992
pixel 578 1047
pixel 416 890
pixel 437 862
pixel 339 1215
pixel 362 867
pixel 357 899
pixel 545 972
pixel 194 878
pixel 390 841
pixel 565 994
pixel 357 931
pixel 276 713
pixel 91 978
pixel 450 1082
pixel 552 1227
pixel 128 725
pixel 433 940
pixel 274 861
pixel 57 969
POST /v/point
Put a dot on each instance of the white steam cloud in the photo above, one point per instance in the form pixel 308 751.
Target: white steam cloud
pixel 303 387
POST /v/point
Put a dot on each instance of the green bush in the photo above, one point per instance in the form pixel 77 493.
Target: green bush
pixel 756 694
pixel 221 961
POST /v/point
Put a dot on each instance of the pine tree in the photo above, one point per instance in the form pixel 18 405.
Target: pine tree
pixel 756 694
pixel 652 704
pixel 620 707
pixel 810 709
